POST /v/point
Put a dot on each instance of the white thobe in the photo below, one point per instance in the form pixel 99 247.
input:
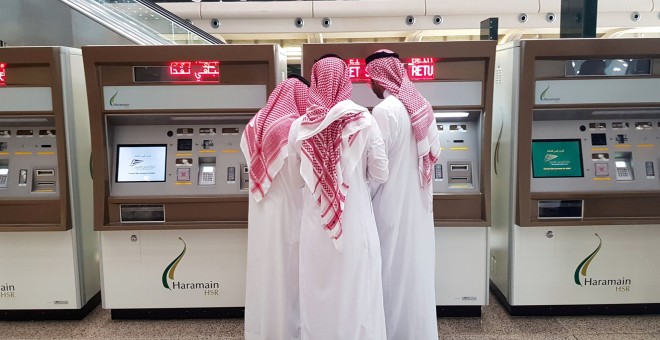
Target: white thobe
pixel 404 217
pixel 341 296
pixel 272 305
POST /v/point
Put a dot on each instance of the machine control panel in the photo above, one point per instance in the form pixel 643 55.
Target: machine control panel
pixel 595 154
pixel 457 168
pixel 188 159
pixel 28 162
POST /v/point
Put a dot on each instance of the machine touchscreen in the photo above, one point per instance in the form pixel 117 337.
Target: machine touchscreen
pixel 141 163
pixel 556 158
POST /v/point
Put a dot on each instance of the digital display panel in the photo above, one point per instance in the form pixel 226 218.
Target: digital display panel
pixel 420 68
pixel 417 69
pixel 3 80
pixel 608 67
pixel 141 163
pixel 179 71
pixel 357 70
pixel 556 158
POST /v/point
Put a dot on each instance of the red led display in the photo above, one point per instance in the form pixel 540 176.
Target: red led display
pixel 3 66
pixel 417 68
pixel 357 70
pixel 420 68
pixel 195 70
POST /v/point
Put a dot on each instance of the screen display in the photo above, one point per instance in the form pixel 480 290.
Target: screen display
pixel 141 163
pixel 179 71
pixel 608 67
pixel 556 158
pixel 417 69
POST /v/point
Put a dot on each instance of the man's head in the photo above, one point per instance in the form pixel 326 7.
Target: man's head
pixel 300 91
pixel 330 82
pixel 386 72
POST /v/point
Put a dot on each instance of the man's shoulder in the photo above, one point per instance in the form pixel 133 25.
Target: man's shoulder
pixel 390 102
pixel 391 105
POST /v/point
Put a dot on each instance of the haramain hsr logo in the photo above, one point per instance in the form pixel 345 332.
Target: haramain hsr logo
pixel 210 287
pixel 113 98
pixel 135 162
pixel 544 97
pixel 549 157
pixel 621 284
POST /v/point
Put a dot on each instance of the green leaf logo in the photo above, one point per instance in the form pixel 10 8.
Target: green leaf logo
pixel 542 93
pixel 584 265
pixel 169 270
pixel 112 99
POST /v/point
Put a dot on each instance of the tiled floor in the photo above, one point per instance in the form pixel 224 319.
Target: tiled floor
pixel 495 324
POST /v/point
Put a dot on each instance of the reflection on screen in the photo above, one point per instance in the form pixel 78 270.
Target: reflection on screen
pixel 141 163
pixel 608 67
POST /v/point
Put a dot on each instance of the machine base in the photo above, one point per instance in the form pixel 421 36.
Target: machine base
pixel 575 310
pixel 51 314
pixel 458 311
pixel 178 313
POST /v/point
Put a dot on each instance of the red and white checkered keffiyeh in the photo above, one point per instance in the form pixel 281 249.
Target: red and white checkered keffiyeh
pixel 267 133
pixel 390 73
pixel 328 133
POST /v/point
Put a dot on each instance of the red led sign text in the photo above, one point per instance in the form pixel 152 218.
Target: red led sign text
pixel 420 68
pixel 195 70
pixel 357 70
pixel 3 66
pixel 417 68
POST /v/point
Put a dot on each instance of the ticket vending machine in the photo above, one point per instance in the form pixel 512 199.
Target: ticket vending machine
pixel 48 249
pixel 576 190
pixel 171 184
pixel 457 79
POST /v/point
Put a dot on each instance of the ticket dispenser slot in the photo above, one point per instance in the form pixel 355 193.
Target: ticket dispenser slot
pixel 459 173
pixel 43 180
pixel 140 213
pixel 559 209
pixel 622 162
pixel 207 168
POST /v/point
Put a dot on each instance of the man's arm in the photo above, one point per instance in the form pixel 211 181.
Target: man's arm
pixel 377 163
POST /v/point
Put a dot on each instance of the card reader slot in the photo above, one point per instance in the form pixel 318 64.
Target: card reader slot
pixel 45 172
pixel 459 167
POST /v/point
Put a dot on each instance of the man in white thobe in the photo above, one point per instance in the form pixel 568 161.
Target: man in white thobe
pixel 272 305
pixel 338 150
pixel 403 206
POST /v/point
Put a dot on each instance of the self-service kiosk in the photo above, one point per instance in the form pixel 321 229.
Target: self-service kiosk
pixel 457 79
pixel 171 184
pixel 48 249
pixel 576 189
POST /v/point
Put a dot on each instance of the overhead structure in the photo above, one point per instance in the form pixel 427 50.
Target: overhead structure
pixel 143 22
pixel 435 17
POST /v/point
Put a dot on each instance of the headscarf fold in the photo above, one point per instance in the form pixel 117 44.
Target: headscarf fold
pixel 385 68
pixel 331 143
pixel 267 133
